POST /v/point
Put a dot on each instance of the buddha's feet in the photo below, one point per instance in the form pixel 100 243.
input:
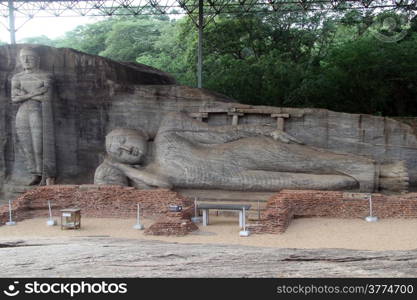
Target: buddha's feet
pixel 35 180
pixel 50 181
pixel 394 177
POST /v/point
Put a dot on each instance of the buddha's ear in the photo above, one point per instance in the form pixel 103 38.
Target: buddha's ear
pixel 143 134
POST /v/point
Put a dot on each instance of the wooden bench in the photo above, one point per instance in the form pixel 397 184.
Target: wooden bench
pixel 241 208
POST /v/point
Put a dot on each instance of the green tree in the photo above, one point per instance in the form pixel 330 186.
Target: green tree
pixel 129 39
pixel 367 76
pixel 317 59
pixel 174 51
pixel 88 38
pixel 42 40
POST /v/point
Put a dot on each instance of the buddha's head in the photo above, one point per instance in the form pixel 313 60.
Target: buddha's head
pixel 30 59
pixel 127 146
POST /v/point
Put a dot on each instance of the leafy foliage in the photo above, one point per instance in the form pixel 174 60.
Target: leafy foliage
pixel 41 39
pixel 315 59
pixel 89 38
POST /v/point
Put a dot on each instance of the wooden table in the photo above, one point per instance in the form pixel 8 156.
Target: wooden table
pixel 240 207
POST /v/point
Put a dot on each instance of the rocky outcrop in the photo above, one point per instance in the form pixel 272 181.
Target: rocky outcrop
pixel 96 95
pixel 93 95
pixel 110 257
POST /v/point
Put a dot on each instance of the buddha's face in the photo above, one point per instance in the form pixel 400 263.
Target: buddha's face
pixel 128 149
pixel 29 60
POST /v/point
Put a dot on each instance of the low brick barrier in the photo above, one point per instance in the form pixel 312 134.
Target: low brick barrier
pixel 101 201
pixel 284 206
pixel 172 224
pixel 121 202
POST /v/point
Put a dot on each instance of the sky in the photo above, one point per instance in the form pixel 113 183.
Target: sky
pixel 52 27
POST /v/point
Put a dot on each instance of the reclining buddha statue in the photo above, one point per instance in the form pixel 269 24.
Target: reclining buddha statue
pixel 191 154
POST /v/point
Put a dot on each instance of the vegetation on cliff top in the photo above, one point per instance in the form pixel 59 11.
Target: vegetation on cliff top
pixel 319 59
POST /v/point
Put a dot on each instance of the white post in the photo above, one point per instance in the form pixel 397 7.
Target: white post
pixel 196 218
pixel 138 225
pixel 244 219
pixel 370 206
pixel 244 232
pixel 10 223
pixel 10 211
pixel 205 217
pixel 50 210
pixel 371 218
pixel 51 221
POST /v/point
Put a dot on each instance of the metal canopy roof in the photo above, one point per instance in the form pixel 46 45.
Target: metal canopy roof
pixel 55 8
pixel 201 11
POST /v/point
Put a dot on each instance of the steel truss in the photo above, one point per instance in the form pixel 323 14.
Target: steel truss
pixel 201 12
pixel 56 8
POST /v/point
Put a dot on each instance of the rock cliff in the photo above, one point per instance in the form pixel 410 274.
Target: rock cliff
pixel 95 95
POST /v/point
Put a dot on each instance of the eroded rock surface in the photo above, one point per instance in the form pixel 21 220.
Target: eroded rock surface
pixel 191 154
pixel 96 95
pixel 111 257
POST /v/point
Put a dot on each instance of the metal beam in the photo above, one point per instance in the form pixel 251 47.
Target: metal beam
pixel 54 8
pixel 12 26
pixel 200 44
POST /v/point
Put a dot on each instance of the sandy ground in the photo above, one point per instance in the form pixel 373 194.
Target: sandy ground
pixel 306 233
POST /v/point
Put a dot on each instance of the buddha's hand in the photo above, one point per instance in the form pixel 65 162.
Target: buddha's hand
pixel 20 96
pixel 111 162
pixel 39 92
pixel 281 136
pixel 42 90
pixel 123 166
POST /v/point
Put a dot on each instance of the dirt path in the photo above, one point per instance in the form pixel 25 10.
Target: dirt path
pixel 305 233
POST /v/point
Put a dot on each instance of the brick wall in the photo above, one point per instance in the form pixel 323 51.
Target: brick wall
pixel 121 202
pixel 100 201
pixel 284 206
pixel 172 224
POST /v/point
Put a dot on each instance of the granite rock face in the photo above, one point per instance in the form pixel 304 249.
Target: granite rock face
pixel 33 90
pixel 115 257
pixel 191 154
pixel 86 87
pixel 96 95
